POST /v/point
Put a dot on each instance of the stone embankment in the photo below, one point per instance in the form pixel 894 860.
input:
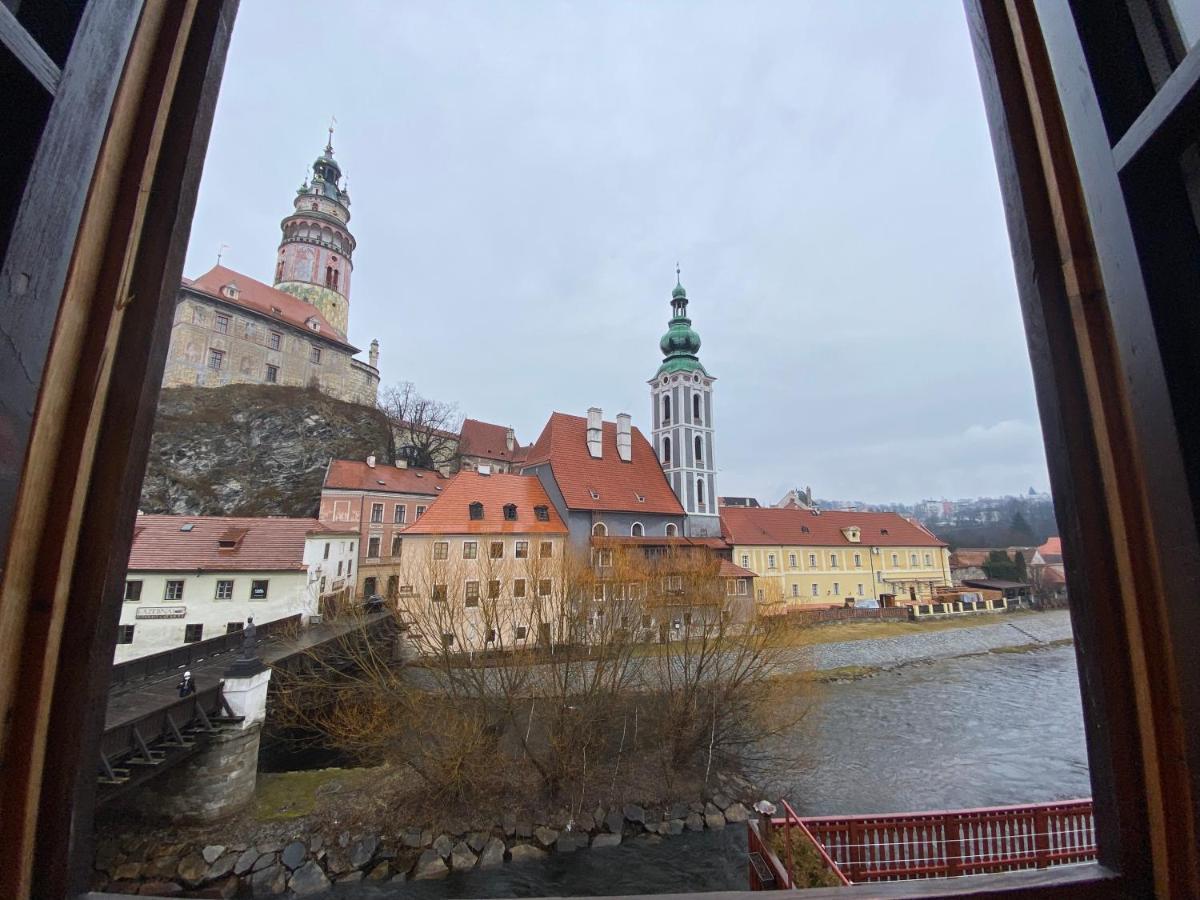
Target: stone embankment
pixel 886 653
pixel 290 859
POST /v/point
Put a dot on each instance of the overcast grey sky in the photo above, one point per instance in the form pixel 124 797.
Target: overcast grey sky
pixel 524 176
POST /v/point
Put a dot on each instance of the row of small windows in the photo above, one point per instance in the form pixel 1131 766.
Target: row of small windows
pixel 216 362
pixel 541 513
pixel 310 232
pixel 471 595
pixel 666 408
pixel 836 590
pixel 222 322
pixel 399 513
pixel 192 633
pixel 834 560
pixel 470 549
pixel 173 589
pixel 637 529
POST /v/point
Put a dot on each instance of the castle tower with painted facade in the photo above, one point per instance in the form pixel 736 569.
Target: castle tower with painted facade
pixel 682 417
pixel 315 257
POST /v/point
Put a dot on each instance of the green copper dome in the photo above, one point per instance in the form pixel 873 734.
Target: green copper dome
pixel 681 344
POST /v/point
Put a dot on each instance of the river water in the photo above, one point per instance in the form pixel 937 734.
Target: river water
pixel 977 731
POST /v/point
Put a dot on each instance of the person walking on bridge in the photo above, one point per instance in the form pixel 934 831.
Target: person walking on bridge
pixel 187 685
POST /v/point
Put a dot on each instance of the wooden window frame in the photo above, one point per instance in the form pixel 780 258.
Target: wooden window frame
pixel 112 188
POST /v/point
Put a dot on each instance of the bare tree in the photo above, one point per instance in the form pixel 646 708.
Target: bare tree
pixel 424 431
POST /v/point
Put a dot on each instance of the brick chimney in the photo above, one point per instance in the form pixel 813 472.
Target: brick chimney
pixel 624 437
pixel 595 432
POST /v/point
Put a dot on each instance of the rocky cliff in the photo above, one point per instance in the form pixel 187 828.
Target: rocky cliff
pixel 252 450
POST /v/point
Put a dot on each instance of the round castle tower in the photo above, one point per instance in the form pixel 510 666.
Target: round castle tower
pixel 681 391
pixel 315 255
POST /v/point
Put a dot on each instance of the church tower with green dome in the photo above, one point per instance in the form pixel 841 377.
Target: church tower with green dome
pixel 681 391
pixel 315 255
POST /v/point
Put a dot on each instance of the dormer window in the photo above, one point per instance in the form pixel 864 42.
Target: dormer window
pixel 510 512
pixel 641 498
pixel 594 493
pixel 883 531
pixel 276 311
pixel 476 511
pixel 804 529
pixel 312 323
pixel 542 513
pixel 851 534
pixel 230 290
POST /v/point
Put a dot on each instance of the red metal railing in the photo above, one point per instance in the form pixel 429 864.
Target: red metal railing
pixel 951 842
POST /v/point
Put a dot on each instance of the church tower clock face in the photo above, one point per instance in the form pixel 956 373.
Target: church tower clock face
pixel 682 420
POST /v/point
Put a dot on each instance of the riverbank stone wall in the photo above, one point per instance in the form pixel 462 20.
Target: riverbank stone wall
pixel 290 859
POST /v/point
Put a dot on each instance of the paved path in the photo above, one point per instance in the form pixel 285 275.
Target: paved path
pixel 1014 631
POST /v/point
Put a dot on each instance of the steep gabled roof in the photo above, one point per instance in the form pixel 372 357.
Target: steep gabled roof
pixel 800 527
pixel 356 475
pixel 190 543
pixel 617 484
pixel 451 512
pixel 488 441
pixel 265 300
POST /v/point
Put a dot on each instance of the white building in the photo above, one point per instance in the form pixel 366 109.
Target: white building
pixel 197 577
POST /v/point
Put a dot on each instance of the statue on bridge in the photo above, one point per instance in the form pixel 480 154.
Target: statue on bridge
pixel 249 651
pixel 247 662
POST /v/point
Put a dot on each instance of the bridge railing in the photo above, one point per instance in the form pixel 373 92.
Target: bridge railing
pixel 954 842
pixel 136 735
pixel 184 657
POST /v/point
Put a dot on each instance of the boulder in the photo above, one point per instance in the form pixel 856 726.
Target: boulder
pixel 128 871
pixel 309 880
pixel 546 836
pixel 523 852
pixel 477 840
pixel 163 868
pixel 336 861
pixel 245 862
pixel 315 843
pixel 381 872
pixel 412 838
pixel 721 801
pixel 493 853
pixel 225 889
pixel 570 841
pixel 211 852
pixel 710 809
pixel 351 877
pixel 678 811
pixel 635 814
pixel 694 822
pixel 663 828
pixel 443 846
pixel 269 882
pixel 266 859
pixel 735 812
pixel 524 830
pixel 509 823
pixel 714 820
pixel 606 840
pixel 191 869
pixel 461 856
pixel 615 822
pixel 293 855
pixel 269 846
pixel 675 826
pixel 363 851
pixel 221 867
pixel 430 865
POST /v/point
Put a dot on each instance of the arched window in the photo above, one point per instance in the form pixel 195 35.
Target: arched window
pixel 599 530
pixel 672 530
pixel 700 492
pixel 666 409
pixel 666 451
pixel 329 276
pixel 335 279
pixel 637 530
pixel 476 510
pixel 695 407
pixel 699 450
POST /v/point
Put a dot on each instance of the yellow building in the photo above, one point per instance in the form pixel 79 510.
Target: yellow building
pixel 808 557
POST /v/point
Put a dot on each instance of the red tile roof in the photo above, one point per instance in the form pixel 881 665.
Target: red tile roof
pixel 965 557
pixel 265 545
pixel 619 484
pixel 450 513
pixel 382 478
pixel 785 527
pixel 733 570
pixel 489 441
pixel 264 300
pixel 1051 551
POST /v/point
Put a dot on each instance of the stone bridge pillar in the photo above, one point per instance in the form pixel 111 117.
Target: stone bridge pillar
pixel 219 779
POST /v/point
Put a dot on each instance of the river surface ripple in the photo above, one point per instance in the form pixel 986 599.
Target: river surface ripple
pixel 976 731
